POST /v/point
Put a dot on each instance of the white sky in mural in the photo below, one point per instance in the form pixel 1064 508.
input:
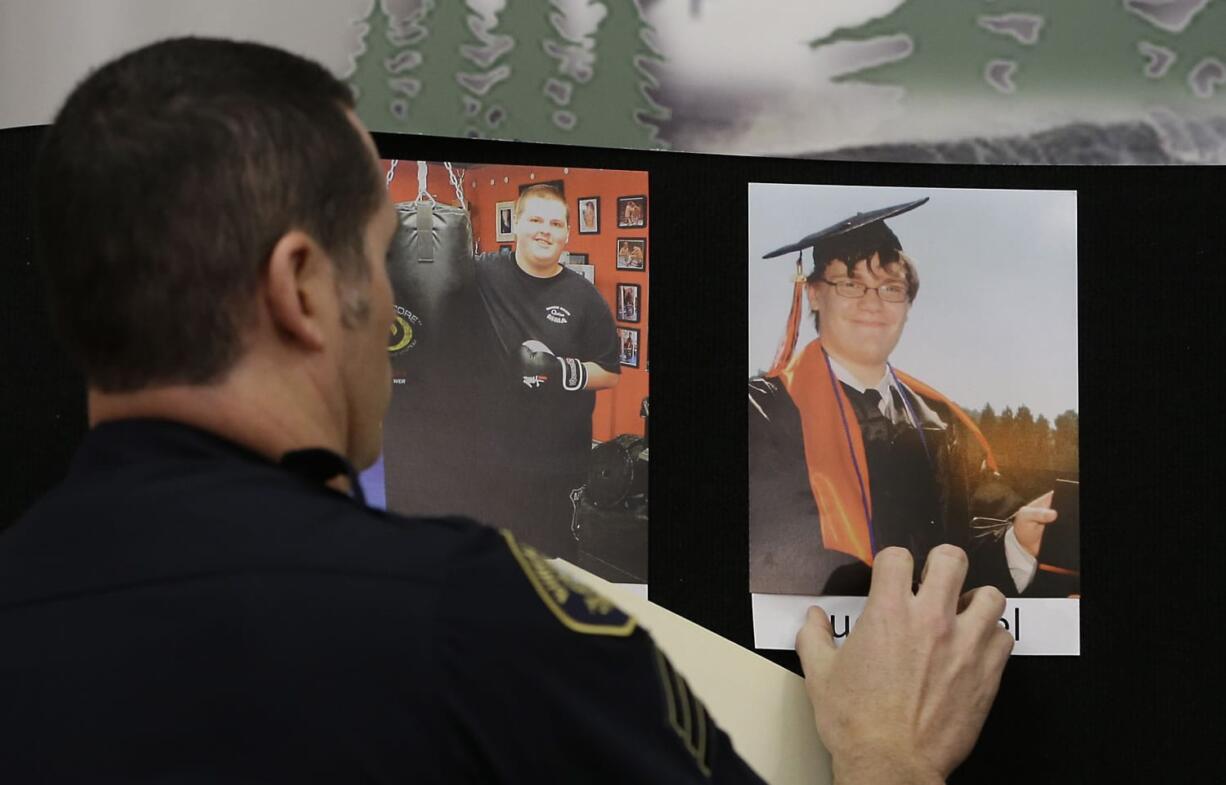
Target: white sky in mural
pixel 742 78
pixel 47 47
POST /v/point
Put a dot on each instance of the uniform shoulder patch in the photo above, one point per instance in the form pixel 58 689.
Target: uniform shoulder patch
pixel 578 607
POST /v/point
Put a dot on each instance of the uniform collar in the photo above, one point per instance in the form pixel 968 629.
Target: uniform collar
pixel 120 442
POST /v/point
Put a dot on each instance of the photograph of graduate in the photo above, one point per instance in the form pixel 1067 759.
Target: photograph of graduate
pixel 883 412
pixel 510 393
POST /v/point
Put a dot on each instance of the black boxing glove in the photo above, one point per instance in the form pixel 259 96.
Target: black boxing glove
pixel 541 367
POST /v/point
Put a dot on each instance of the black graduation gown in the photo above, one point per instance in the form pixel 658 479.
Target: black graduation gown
pixel 785 538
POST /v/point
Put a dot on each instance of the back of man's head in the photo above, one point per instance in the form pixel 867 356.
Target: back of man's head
pixel 166 180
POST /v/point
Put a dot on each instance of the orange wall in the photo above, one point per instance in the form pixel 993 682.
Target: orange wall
pixel 617 410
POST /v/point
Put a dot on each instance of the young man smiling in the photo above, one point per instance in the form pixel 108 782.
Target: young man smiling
pixel 559 335
pixel 848 455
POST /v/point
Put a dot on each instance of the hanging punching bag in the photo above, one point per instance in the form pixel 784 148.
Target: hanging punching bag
pixel 434 286
pixel 444 365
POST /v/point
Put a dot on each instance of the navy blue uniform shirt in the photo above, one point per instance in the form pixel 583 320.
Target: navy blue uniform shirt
pixel 182 610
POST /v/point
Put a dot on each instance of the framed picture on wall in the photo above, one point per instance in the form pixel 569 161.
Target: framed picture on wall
pixel 589 215
pixel 631 253
pixel 588 271
pixel 628 341
pixel 631 212
pixel 575 258
pixel 503 211
pixel 628 302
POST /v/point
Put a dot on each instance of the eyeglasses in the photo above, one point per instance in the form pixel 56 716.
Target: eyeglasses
pixel 890 292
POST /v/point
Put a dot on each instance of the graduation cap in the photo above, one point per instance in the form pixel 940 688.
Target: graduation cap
pixel 851 239
pixel 860 229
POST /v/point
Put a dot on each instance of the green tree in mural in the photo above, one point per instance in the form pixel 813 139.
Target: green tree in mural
pixel 371 81
pixel 430 73
pixel 518 106
pixel 405 34
pixel 614 107
pixel 487 53
pixel 438 106
pixel 1137 50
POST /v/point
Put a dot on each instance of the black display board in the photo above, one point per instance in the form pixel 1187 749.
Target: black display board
pixel 1137 703
pixel 42 397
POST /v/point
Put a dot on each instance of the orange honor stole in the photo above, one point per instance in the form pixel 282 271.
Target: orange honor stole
pixel 834 448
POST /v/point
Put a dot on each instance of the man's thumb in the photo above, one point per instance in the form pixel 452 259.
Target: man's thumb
pixel 815 642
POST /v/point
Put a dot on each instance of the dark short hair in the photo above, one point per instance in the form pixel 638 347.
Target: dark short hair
pixel 887 259
pixel 165 182
pixel 540 192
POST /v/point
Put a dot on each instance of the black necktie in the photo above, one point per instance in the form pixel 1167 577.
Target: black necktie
pixel 874 426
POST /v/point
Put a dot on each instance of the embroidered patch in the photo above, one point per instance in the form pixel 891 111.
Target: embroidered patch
pixel 578 607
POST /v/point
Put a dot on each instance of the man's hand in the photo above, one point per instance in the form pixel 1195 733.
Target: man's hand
pixel 905 698
pixel 1028 523
pixel 541 367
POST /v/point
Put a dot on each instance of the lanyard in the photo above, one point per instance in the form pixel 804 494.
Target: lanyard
pixel 915 423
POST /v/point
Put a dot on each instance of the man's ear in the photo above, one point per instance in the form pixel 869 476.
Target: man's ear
pixel 811 293
pixel 298 285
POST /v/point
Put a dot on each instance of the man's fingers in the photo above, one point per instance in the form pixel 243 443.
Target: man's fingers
pixel 983 605
pixel 1043 501
pixel 1039 515
pixel 1000 646
pixel 892 571
pixel 815 642
pixel 944 575
pixel 964 600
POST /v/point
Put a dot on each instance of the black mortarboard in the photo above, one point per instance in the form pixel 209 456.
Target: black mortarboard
pixel 862 229
pixel 851 239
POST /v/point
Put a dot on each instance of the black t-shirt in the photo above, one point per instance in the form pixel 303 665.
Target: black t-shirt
pixel 553 427
pixel 180 609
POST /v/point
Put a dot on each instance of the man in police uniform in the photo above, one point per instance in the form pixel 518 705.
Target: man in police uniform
pixel 205 597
